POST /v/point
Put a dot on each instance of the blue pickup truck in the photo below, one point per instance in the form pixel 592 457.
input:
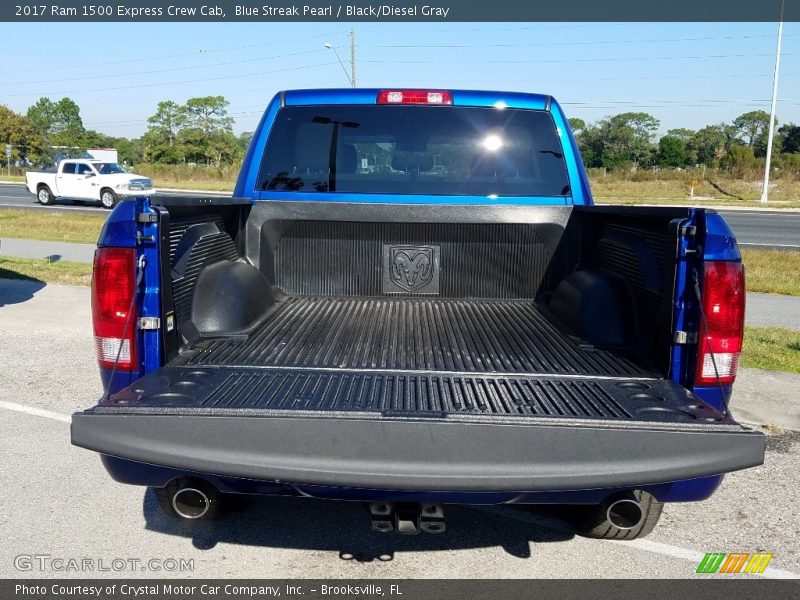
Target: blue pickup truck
pixel 411 301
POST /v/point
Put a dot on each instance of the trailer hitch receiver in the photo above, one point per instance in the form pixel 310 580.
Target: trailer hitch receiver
pixel 406 517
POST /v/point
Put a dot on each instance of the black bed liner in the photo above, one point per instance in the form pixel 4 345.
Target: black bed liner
pixel 470 336
pixel 417 431
pixel 373 394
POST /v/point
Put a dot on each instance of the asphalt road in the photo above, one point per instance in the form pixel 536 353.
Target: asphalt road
pixel 16 196
pixel 57 499
pixel 758 228
pixel 768 229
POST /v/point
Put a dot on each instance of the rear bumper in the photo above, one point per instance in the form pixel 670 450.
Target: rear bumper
pixel 420 454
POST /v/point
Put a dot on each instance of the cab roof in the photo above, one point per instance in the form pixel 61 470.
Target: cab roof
pixel 476 98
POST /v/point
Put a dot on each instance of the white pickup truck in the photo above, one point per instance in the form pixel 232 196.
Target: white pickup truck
pixel 86 179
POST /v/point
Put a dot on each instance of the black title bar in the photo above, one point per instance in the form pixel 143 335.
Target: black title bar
pixel 398 11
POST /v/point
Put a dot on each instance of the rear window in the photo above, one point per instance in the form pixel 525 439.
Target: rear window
pixel 414 150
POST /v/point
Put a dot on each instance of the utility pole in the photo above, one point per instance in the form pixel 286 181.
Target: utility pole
pixel 353 57
pixel 771 134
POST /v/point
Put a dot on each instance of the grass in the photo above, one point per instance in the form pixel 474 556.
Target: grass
pixel 16 178
pixel 36 269
pixel 728 192
pixel 772 349
pixel 772 271
pixel 50 225
pixel 206 186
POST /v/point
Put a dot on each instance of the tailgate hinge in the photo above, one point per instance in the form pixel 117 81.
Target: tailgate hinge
pixel 144 217
pixel 685 337
pixel 689 231
pixel 149 323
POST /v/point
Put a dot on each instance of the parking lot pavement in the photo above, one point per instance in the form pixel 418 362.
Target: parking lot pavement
pixel 773 310
pixel 57 499
pixel 53 251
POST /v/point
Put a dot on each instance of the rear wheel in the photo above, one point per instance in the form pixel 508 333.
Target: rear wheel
pixel 44 195
pixel 189 500
pixel 108 198
pixel 626 517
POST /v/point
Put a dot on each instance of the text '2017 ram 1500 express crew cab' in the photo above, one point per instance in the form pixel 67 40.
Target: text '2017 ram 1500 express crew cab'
pixel 411 301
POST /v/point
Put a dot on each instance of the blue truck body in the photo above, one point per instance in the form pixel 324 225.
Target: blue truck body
pixel 136 225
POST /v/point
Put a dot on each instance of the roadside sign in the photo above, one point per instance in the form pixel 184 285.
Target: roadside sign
pixel 8 151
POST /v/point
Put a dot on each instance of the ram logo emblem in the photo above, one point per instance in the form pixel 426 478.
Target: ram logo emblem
pixel 412 269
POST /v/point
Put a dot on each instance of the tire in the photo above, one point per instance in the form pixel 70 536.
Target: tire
pixel 165 497
pixel 108 199
pixel 44 196
pixel 593 522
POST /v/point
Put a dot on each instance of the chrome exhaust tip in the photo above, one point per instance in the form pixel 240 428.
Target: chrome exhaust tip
pixel 625 513
pixel 191 503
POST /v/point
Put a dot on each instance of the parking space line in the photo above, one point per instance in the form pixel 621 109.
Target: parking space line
pixel 37 412
pixel 646 545
pixel 770 245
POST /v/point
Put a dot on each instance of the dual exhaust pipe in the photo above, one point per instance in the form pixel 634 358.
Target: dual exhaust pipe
pixel 624 512
pixel 190 502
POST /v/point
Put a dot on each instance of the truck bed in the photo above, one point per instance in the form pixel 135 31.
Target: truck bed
pixel 405 334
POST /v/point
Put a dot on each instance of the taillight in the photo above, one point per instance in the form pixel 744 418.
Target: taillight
pixel 723 330
pixel 113 286
pixel 414 97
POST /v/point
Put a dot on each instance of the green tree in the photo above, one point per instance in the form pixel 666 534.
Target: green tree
pixel 577 125
pixel 710 144
pixel 130 152
pixel 790 138
pixel 208 134
pixel 686 136
pixel 56 124
pixel 95 139
pixel 590 144
pixel 627 138
pixel 739 159
pixel 14 130
pixel 244 140
pixel 160 141
pixel 751 128
pixel 671 151
pixel 208 114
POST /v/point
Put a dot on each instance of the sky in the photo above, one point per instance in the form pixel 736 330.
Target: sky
pixel 685 74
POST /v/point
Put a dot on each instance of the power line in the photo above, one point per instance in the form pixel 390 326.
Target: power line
pixel 172 69
pixel 182 55
pixel 576 60
pixel 572 43
pixel 205 79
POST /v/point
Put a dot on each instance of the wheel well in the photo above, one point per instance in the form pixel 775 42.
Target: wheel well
pixel 42 185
